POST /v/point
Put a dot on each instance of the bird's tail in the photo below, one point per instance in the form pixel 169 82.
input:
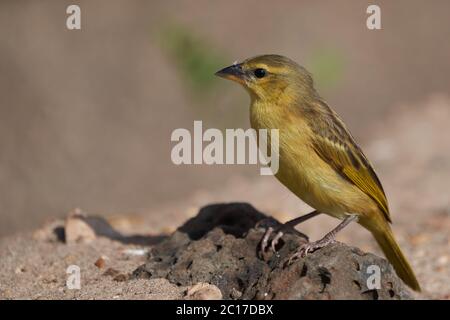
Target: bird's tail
pixel 391 250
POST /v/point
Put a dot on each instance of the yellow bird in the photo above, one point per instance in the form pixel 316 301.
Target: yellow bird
pixel 319 160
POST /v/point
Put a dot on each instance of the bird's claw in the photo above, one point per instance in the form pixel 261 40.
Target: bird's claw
pixel 309 247
pixel 275 240
pixel 265 239
pixel 273 243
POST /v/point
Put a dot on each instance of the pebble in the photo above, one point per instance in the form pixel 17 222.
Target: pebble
pixel 203 291
pixel 101 262
pixel 76 228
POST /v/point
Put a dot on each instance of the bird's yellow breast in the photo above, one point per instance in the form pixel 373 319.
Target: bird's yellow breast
pixel 301 170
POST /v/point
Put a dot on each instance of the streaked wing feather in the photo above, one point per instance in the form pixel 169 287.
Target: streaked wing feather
pixel 336 146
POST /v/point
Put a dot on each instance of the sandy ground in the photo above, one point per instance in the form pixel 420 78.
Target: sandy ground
pixel 30 276
pixel 410 152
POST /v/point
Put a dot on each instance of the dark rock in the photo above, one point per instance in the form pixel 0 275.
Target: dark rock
pixel 219 247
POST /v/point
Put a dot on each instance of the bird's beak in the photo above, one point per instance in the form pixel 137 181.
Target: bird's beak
pixel 233 72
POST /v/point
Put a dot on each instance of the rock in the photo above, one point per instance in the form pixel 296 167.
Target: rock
pixel 77 230
pixel 219 247
pixel 203 291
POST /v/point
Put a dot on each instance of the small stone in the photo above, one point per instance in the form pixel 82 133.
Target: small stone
pixel 203 291
pixel 76 228
pixel 101 262
pixel 135 252
pixel 235 294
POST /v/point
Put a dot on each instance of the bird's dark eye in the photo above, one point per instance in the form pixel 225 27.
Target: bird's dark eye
pixel 259 73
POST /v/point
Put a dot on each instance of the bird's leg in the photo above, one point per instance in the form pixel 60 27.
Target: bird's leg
pixel 303 250
pixel 288 225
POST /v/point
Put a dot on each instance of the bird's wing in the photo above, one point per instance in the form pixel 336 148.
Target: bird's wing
pixel 336 146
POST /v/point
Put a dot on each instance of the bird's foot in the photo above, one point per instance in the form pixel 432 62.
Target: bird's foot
pixel 309 247
pixel 273 243
pixel 273 234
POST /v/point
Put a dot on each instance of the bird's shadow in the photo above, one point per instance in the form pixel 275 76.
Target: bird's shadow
pixel 233 218
pixel 103 228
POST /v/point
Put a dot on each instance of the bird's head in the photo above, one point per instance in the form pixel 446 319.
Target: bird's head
pixel 270 77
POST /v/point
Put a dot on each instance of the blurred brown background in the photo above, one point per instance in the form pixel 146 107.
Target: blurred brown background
pixel 86 116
